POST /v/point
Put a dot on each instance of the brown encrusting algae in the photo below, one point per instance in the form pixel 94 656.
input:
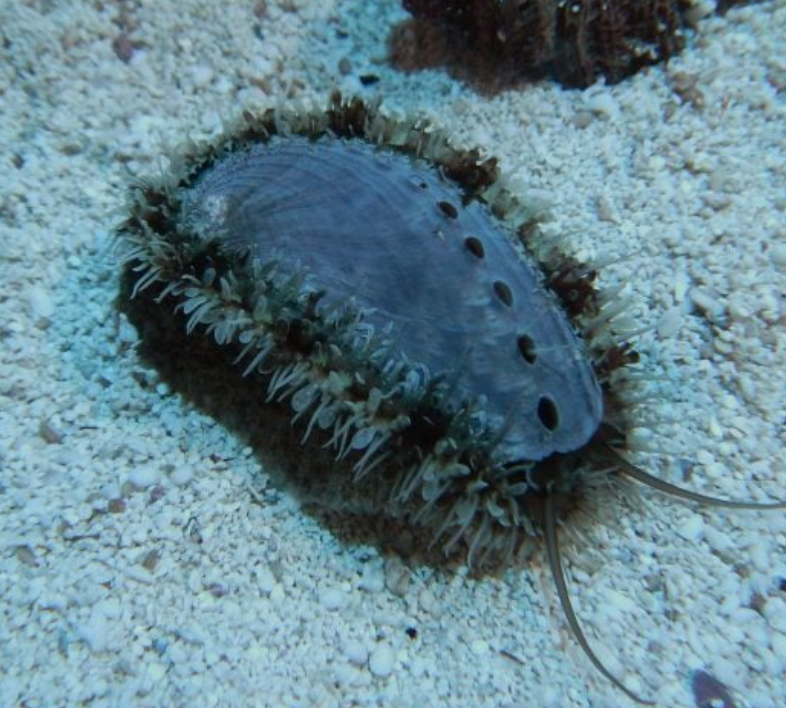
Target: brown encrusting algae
pixel 373 277
pixel 497 44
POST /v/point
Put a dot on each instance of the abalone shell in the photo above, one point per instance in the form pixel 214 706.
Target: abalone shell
pixel 444 278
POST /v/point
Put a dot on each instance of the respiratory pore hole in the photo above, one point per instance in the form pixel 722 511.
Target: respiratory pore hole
pixel 503 292
pixel 527 348
pixel 475 246
pixel 547 413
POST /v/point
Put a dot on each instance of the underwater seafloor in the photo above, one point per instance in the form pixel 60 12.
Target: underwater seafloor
pixel 147 558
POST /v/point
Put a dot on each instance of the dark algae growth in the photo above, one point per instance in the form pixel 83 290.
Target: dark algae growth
pixel 378 284
pixel 498 44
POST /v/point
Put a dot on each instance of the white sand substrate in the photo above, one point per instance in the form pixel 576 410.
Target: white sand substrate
pixel 146 559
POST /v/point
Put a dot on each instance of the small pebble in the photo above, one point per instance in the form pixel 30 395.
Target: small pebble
pixel 778 255
pixel 217 590
pixel 116 506
pixel 25 555
pixel 56 601
pixel 140 574
pixel 397 576
pixel 202 75
pixel 356 653
pixel 681 284
pixel 759 556
pixel 94 633
pixel 428 602
pixel 479 647
pixel 143 476
pixel 775 612
pixel 778 644
pixel 620 602
pixel 538 200
pixel 719 541
pixel 670 322
pixel 157 671
pixel 49 433
pixel 182 475
pixel 156 493
pixel 41 304
pixel 110 491
pixel 382 660
pixel 278 595
pixel 373 579
pixel 602 103
pixel 692 529
pixel 582 119
pixel 126 333
pixel 266 581
pixel 333 599
pixel 708 305
pixel 123 47
pixel 150 561
pixel 605 209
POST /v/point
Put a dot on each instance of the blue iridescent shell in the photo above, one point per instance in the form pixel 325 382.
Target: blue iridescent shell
pixel 443 277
